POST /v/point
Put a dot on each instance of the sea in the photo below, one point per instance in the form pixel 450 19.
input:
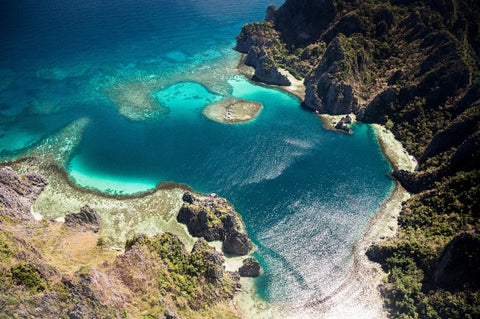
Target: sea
pixel 141 72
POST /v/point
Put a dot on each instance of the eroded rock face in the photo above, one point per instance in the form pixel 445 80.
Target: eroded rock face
pixel 267 72
pixel 250 268
pixel 86 219
pixel 214 218
pixel 18 192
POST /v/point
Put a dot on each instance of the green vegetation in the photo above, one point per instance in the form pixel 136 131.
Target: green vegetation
pixel 429 221
pixel 154 276
pixel 26 274
pixel 413 66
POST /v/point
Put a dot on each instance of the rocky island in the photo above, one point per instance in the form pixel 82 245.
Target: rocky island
pixel 412 66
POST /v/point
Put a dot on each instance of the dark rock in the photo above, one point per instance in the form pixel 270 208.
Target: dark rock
pixel 250 268
pixel 252 57
pixel 454 135
pixel 347 25
pixel 237 243
pixel 347 119
pixel 86 219
pixel 188 198
pixel 214 218
pixel 341 125
pixel 459 266
pixel 267 72
pixel 301 22
pixel 416 182
pixel 467 156
pixel 271 12
pixel 382 104
pixel 18 192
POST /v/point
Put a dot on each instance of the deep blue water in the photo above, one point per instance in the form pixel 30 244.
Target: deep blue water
pixel 305 194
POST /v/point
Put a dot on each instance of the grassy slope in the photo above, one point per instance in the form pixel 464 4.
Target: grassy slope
pixel 49 270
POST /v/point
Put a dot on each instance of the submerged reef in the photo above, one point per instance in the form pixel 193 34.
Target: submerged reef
pixel 412 66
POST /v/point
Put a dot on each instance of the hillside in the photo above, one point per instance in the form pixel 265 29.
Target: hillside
pixel 52 269
pixel 412 66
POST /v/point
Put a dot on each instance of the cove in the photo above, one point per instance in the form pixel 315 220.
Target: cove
pixel 304 193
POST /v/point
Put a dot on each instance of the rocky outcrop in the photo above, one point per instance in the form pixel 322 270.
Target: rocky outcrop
pixel 86 219
pixel 214 218
pixel 210 259
pixel 18 192
pixel 267 72
pixel 250 268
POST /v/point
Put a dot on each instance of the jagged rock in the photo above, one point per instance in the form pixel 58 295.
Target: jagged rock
pixel 86 219
pixel 237 243
pixel 347 119
pixel 214 218
pixel 341 125
pixel 459 265
pixel 267 72
pixel 250 268
pixel 271 12
pixel 18 192
pixel 212 261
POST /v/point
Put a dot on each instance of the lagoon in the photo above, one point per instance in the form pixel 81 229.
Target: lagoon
pixel 141 73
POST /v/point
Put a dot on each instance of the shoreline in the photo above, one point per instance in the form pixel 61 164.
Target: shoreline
pixel 358 289
pixel 358 296
pixel 296 88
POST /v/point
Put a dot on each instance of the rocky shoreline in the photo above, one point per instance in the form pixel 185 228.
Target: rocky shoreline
pixel 19 192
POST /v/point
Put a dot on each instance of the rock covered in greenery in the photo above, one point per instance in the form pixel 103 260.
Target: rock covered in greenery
pixel 250 268
pixel 413 66
pixel 214 218
pixel 87 219
pixel 17 193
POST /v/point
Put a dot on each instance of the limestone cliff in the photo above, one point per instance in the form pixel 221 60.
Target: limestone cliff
pixel 413 66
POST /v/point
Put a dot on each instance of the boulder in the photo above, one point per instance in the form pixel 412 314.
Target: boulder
pixel 214 218
pixel 87 219
pixel 250 268
pixel 171 314
pixel 341 125
pixel 237 243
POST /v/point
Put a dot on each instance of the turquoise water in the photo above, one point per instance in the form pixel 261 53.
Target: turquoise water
pixel 305 194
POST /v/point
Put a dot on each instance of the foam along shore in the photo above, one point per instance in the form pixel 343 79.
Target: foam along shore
pixel 232 110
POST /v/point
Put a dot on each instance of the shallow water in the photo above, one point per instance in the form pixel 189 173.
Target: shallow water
pixel 141 72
